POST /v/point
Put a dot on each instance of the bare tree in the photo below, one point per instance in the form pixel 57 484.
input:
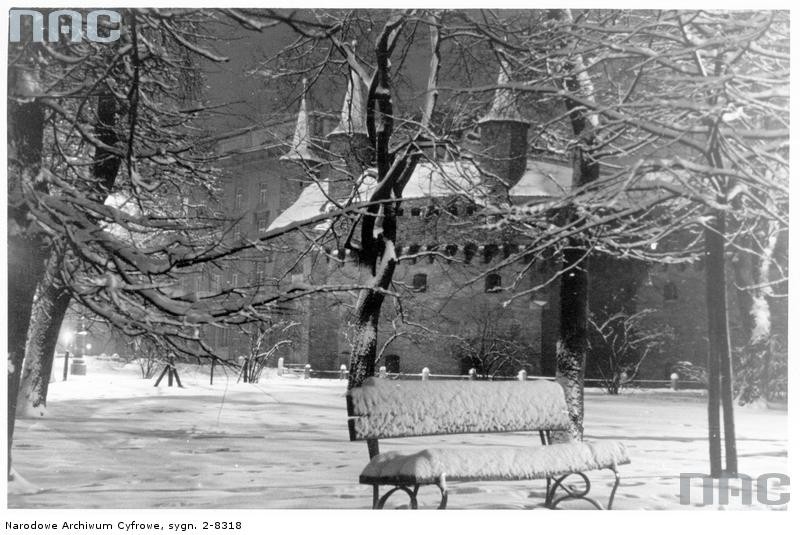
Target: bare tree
pixel 493 346
pixel 688 110
pixel 620 342
pixel 263 341
pixel 709 147
pixel 102 146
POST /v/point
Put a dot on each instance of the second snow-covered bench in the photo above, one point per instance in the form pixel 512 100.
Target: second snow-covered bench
pixel 381 409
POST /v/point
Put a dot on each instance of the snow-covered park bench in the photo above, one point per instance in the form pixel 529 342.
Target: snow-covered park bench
pixel 382 409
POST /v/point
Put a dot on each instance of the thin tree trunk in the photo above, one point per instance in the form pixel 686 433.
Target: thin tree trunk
pixel 47 315
pixel 752 277
pixel 719 361
pixel 377 252
pixel 761 335
pixel 573 343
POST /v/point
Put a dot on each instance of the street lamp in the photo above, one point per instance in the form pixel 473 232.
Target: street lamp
pixel 78 366
pixel 67 338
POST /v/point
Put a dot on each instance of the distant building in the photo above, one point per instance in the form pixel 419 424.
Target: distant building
pixel 455 272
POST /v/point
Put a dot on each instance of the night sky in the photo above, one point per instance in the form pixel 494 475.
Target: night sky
pixel 253 99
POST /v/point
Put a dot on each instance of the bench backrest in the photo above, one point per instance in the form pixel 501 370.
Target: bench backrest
pixel 382 408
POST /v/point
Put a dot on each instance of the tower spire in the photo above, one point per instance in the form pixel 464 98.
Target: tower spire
pixel 354 116
pixel 504 104
pixel 301 140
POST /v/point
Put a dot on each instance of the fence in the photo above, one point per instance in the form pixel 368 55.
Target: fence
pixel 300 369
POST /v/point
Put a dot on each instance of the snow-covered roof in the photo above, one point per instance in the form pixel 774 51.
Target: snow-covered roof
pixel 543 179
pixel 436 180
pixel 311 202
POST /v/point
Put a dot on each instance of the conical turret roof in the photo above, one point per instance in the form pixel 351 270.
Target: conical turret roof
pixel 504 104
pixel 354 114
pixel 300 148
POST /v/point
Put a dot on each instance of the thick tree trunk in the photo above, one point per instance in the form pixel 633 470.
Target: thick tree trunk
pixel 47 315
pixel 26 247
pixel 573 343
pixel 53 301
pixel 377 252
pixel 719 355
pixel 368 310
pixel 25 269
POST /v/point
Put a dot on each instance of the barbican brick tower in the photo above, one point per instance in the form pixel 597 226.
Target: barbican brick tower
pixel 504 139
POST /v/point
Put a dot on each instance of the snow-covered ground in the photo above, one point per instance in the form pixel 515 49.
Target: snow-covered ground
pixel 112 440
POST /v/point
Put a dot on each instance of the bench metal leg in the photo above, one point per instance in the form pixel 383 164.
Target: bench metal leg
pixel 576 492
pixel 614 489
pixel 571 490
pixel 442 484
pixel 379 502
pixel 412 494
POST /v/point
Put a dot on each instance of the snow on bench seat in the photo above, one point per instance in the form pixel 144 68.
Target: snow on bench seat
pixel 492 463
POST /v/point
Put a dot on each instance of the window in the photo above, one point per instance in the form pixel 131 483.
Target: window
pixel 469 252
pixel 224 337
pixel 413 250
pixel 258 273
pixel 420 282
pixel 238 200
pixel 263 221
pixel 235 280
pixel 493 282
pixel 263 193
pixel 489 250
pixel 670 291
pixel 216 282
